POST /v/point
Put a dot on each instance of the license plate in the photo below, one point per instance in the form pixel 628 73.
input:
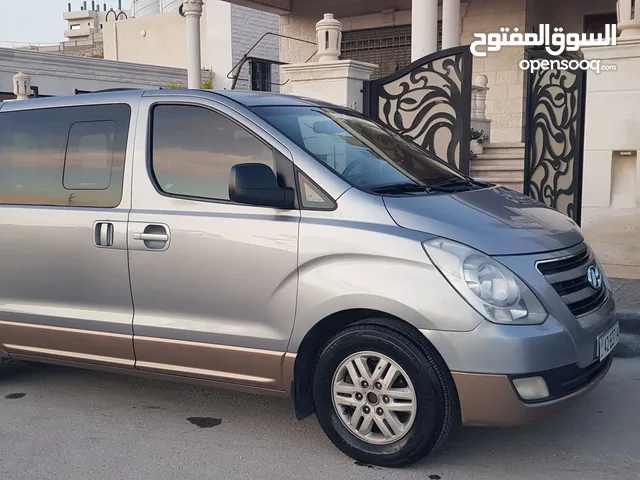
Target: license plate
pixel 608 341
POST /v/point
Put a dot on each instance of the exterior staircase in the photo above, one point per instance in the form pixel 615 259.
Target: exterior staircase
pixel 500 163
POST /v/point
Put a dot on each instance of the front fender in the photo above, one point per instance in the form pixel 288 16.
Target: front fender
pixel 413 291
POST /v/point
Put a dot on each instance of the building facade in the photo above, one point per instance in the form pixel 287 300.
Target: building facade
pixel 157 36
pixel 55 75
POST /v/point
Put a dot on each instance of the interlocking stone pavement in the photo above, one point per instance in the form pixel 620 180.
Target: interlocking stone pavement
pixel 627 294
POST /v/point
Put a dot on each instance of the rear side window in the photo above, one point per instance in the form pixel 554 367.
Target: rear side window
pixel 71 156
pixel 194 149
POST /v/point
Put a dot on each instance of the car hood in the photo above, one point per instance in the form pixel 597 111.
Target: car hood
pixel 495 221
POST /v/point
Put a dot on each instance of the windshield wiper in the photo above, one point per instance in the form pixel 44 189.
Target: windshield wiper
pixel 399 188
pixel 458 182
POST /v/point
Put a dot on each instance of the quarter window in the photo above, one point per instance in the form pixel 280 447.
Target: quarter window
pixel 194 149
pixel 89 158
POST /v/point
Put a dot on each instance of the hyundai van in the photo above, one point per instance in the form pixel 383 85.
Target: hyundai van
pixel 283 246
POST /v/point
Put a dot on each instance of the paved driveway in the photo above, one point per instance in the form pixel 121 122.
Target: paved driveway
pixel 68 424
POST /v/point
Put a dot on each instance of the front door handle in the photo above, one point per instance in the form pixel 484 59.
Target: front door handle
pixel 153 236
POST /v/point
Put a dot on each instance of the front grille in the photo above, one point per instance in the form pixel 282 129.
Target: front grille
pixel 568 277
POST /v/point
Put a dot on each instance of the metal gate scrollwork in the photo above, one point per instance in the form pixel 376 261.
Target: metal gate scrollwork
pixel 428 101
pixel 554 137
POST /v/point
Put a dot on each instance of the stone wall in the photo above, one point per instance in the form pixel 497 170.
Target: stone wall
pixel 566 15
pixel 228 31
pixel 247 26
pixel 611 183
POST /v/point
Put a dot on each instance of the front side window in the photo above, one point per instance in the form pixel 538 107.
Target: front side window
pixel 365 154
pixel 71 156
pixel 194 149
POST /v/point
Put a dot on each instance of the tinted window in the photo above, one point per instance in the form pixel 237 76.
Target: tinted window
pixel 311 196
pixel 194 149
pixel 89 156
pixel 361 151
pixel 71 156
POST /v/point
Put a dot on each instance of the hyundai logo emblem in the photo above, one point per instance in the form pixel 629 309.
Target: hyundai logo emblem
pixel 594 276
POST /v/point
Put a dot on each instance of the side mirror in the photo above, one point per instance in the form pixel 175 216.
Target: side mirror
pixel 256 184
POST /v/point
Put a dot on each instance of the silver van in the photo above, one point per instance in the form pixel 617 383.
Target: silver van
pixel 283 246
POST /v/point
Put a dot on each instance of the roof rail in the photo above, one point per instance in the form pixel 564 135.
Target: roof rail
pixel 80 92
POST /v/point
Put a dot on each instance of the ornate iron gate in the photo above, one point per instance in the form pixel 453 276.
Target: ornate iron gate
pixel 428 101
pixel 554 134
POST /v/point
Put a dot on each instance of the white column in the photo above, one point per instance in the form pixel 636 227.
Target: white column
pixel 192 10
pixel 424 28
pixel 479 86
pixel 450 23
pixel 329 34
pixel 21 86
pixel 628 20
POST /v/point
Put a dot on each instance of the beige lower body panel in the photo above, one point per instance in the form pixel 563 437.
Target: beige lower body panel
pixel 67 344
pixel 217 366
pixel 247 366
pixel 491 401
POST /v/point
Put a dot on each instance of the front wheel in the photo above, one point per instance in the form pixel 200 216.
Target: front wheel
pixel 382 396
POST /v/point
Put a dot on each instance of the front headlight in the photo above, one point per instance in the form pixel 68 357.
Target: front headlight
pixel 489 287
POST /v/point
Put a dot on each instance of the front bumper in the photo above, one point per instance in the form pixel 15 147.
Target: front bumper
pixel 491 400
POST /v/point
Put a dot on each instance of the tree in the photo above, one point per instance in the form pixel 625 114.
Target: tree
pixel 207 84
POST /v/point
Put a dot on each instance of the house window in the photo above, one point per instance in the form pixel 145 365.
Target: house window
pixel 595 23
pixel 75 26
pixel 387 47
pixel 260 76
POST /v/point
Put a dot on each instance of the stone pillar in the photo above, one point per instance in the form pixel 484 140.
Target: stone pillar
pixel 192 10
pixel 424 28
pixel 329 33
pixel 450 23
pixel 21 86
pixel 339 82
pixel 479 90
pixel 335 81
pixel 628 20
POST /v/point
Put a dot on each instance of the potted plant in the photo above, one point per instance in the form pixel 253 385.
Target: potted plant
pixel 478 137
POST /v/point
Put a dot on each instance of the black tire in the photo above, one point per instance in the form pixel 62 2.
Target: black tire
pixel 438 409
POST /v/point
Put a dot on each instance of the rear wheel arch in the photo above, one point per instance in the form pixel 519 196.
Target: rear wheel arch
pixel 316 339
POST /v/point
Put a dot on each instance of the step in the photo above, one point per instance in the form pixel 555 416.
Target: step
pixel 513 185
pixel 504 145
pixel 512 152
pixel 500 156
pixel 481 162
pixel 502 176
pixel 499 149
pixel 513 167
pixel 498 180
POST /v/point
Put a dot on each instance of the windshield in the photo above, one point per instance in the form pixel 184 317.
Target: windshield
pixel 365 154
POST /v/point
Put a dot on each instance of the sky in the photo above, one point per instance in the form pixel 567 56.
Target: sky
pixel 38 21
